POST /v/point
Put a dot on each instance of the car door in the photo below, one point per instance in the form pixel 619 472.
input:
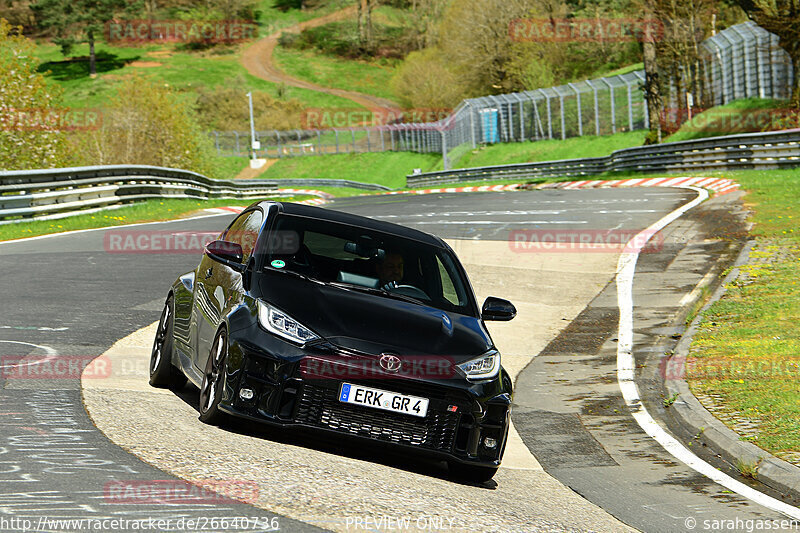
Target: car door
pixel 217 285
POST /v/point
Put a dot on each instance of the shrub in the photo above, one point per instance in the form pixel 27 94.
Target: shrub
pixel 25 93
pixel 341 39
pixel 226 109
pixel 148 124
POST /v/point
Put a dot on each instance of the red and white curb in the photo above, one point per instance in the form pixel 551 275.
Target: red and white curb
pixel 718 185
pixel 322 198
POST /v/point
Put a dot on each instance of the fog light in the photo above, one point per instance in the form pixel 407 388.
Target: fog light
pixel 246 394
pixel 490 443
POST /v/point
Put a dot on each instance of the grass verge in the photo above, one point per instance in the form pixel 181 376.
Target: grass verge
pixel 549 150
pixel 741 116
pixel 147 211
pixel 746 353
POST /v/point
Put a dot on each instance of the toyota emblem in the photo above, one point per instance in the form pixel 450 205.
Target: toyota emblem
pixel 390 363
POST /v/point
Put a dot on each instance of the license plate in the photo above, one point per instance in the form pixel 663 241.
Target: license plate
pixel 381 399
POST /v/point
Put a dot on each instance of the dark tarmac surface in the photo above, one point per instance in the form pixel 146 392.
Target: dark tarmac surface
pixel 67 297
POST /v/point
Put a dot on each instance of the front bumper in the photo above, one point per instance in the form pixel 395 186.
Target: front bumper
pixel 466 422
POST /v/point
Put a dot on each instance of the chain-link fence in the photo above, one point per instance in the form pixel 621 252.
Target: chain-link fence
pixel 745 61
pixel 742 61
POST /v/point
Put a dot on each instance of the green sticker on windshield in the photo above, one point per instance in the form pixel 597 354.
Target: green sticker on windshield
pixel 278 264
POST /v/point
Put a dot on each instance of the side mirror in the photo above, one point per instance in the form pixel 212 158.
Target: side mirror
pixel 227 253
pixel 498 309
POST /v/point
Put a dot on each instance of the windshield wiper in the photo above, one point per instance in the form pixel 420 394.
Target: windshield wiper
pixel 377 292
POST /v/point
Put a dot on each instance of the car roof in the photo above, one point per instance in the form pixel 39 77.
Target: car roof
pixel 356 220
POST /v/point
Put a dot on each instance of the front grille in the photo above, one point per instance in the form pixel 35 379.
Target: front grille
pixel 320 407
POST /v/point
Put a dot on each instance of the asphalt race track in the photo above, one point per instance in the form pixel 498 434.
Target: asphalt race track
pixel 68 297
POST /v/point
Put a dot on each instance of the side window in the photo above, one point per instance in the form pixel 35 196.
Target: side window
pixel 448 290
pixel 244 231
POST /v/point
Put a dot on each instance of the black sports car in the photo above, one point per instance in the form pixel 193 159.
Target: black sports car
pixel 303 316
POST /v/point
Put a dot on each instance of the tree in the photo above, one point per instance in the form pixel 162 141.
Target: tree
pixel 423 81
pixel 475 42
pixel 29 138
pixel 652 89
pixel 424 17
pixel 365 31
pixel 79 21
pixel 781 18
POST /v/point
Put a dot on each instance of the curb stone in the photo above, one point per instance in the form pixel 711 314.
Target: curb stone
pixel 693 416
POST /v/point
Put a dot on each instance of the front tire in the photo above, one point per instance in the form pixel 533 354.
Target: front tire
pixel 162 373
pixel 211 387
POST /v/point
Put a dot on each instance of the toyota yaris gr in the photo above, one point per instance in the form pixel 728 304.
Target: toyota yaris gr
pixel 308 317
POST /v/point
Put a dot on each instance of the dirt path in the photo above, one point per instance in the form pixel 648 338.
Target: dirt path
pixel 257 59
pixel 248 173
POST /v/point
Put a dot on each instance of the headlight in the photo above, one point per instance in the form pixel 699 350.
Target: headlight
pixel 484 367
pixel 279 323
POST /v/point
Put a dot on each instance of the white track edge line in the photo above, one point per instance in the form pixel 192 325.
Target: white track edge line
pixel 626 268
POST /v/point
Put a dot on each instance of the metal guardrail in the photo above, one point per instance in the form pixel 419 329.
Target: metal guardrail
pixel 63 191
pixel 733 152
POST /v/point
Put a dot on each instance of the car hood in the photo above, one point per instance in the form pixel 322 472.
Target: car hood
pixel 375 324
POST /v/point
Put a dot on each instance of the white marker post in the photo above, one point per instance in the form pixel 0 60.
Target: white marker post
pixel 254 144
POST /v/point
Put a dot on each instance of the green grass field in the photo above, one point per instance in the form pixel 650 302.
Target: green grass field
pixel 385 168
pixel 371 77
pixel 185 71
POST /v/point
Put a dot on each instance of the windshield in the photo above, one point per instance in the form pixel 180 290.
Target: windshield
pixel 366 260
